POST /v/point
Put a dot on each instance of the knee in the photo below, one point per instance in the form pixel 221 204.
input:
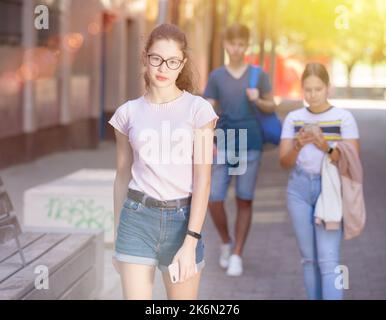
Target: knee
pixel 244 204
pixel 308 262
pixel 216 205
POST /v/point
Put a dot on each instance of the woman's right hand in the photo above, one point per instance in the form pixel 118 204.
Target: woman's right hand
pixel 303 138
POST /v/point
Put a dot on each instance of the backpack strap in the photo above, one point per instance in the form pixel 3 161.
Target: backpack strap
pixel 254 76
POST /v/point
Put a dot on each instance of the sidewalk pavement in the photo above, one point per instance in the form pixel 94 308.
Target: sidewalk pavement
pixel 272 267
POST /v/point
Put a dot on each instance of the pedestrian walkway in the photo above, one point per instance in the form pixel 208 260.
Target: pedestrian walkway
pixel 271 263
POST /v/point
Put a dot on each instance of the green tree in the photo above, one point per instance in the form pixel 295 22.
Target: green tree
pixel 349 30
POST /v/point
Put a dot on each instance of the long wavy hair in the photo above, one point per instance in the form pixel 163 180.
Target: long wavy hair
pixel 186 78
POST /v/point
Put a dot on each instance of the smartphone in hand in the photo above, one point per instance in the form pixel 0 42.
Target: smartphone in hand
pixel 311 128
pixel 174 272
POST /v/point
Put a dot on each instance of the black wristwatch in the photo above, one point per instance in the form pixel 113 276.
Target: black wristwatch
pixel 330 150
pixel 194 234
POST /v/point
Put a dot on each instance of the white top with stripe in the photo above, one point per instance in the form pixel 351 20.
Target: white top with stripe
pixel 336 124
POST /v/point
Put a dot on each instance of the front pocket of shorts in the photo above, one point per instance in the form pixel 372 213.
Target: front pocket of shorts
pixel 129 208
pixel 182 215
pixel 131 216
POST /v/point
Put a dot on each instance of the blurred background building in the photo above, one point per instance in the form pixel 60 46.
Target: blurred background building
pixel 59 86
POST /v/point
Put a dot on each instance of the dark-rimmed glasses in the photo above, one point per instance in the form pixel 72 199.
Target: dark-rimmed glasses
pixel 172 63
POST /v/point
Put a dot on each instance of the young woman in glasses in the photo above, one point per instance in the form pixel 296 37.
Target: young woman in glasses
pixel 161 190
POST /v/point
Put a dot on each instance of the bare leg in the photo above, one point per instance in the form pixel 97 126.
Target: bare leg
pixel 187 290
pixel 219 217
pixel 243 223
pixel 137 281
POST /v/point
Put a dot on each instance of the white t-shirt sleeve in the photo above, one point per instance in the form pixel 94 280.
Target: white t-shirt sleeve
pixel 203 113
pixel 349 127
pixel 288 129
pixel 120 119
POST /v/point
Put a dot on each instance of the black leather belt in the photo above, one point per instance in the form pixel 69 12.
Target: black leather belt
pixel 152 202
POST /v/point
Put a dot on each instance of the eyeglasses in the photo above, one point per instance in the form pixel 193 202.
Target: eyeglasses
pixel 172 63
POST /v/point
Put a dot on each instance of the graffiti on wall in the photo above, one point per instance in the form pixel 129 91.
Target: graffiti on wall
pixel 80 213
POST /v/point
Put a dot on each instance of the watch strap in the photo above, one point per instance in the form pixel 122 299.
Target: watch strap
pixel 194 234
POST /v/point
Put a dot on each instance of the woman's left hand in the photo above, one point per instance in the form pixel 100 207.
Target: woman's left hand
pixel 186 258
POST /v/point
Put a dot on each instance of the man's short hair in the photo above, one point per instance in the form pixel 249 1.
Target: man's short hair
pixel 237 31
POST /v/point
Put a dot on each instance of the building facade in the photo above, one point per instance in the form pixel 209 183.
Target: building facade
pixel 66 65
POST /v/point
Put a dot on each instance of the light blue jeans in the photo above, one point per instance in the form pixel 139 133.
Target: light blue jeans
pixel 319 248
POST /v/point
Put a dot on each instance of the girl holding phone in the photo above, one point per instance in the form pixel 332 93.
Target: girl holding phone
pixel 308 135
pixel 162 182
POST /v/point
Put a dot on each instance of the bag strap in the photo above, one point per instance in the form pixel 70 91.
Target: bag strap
pixel 254 76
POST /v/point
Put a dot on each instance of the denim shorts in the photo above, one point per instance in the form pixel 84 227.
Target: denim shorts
pixel 245 183
pixel 152 236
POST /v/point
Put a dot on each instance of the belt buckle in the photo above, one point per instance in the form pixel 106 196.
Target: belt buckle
pixel 164 203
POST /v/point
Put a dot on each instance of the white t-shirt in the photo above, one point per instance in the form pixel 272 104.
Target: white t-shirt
pixel 336 124
pixel 161 137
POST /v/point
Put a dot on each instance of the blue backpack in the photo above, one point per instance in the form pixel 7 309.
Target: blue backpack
pixel 269 122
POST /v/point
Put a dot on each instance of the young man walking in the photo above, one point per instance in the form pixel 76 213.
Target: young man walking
pixel 228 91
